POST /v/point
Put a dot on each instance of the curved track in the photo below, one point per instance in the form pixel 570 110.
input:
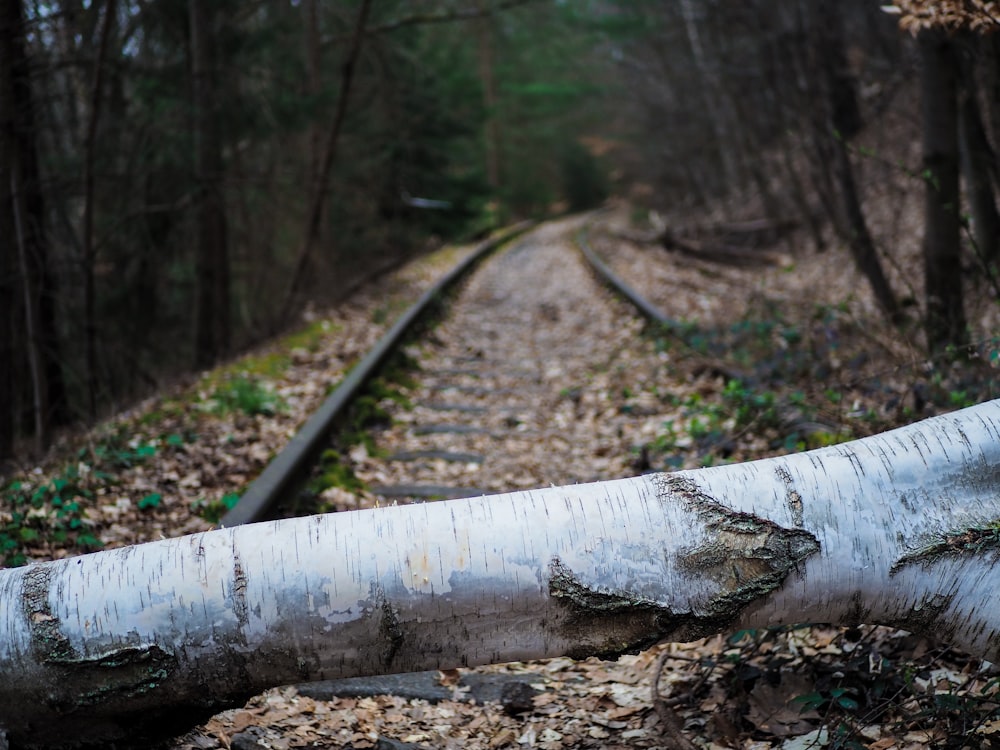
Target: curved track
pixel 534 376
pixel 523 384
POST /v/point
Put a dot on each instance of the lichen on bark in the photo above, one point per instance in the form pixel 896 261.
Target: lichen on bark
pixel 741 559
pixel 48 643
pixel 746 556
pixel 974 540
pixel 607 624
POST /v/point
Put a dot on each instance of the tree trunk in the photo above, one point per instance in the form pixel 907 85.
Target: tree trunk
pixel 712 97
pixel 841 88
pixel 212 315
pixel 12 359
pixel 32 312
pixel 314 83
pixel 945 318
pixel 978 166
pixel 488 80
pixel 854 230
pixel 24 210
pixel 838 118
pixel 989 70
pixel 10 356
pixel 897 529
pixel 317 197
pixel 89 252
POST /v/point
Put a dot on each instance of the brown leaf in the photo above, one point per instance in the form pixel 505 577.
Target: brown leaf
pixel 449 677
pixel 241 720
pixel 503 739
pixel 772 709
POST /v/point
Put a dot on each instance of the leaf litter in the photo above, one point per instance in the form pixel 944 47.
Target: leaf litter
pixel 737 383
pixel 603 403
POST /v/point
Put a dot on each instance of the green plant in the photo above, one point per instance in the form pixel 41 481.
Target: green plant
pixel 273 362
pixel 117 452
pixel 213 510
pixel 369 410
pixel 45 514
pixel 48 513
pixel 667 439
pixel 248 395
pixel 959 399
pixel 310 337
pixel 638 216
pixel 840 697
pixel 165 410
pixel 334 471
pixel 150 501
pixel 750 406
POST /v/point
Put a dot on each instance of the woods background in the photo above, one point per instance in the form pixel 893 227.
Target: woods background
pixel 179 180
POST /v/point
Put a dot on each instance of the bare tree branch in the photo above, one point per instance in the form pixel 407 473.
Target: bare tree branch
pixel 89 252
pixel 322 176
pixel 419 19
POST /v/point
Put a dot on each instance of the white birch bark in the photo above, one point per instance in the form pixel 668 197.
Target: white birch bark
pixel 901 529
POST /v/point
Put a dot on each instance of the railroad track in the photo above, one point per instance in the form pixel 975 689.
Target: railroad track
pixel 532 374
pixel 522 383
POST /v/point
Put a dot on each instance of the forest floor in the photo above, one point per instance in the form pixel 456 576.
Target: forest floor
pixel 781 352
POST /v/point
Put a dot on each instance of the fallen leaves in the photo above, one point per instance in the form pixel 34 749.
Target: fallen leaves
pixel 196 450
pixel 565 391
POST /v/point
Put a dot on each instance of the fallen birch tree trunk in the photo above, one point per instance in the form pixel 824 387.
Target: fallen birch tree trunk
pixel 901 529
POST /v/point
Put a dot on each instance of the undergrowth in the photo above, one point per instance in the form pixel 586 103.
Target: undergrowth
pixel 769 385
pixel 367 412
pixel 246 394
pixel 213 509
pixel 40 517
pixel 850 686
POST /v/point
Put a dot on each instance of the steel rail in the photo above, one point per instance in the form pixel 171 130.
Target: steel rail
pixel 617 284
pixel 290 464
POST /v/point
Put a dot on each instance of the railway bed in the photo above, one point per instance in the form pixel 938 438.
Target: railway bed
pixel 538 375
pixel 519 386
pixel 535 374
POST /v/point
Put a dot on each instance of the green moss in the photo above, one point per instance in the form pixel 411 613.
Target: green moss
pixel 168 410
pixel 369 411
pixel 391 310
pixel 270 365
pixel 311 336
pixel 334 471
pixel 826 439
pixel 248 395
pixel 213 510
pixel 274 362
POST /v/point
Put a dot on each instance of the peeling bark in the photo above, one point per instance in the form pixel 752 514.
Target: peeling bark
pixel 956 544
pixel 898 529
